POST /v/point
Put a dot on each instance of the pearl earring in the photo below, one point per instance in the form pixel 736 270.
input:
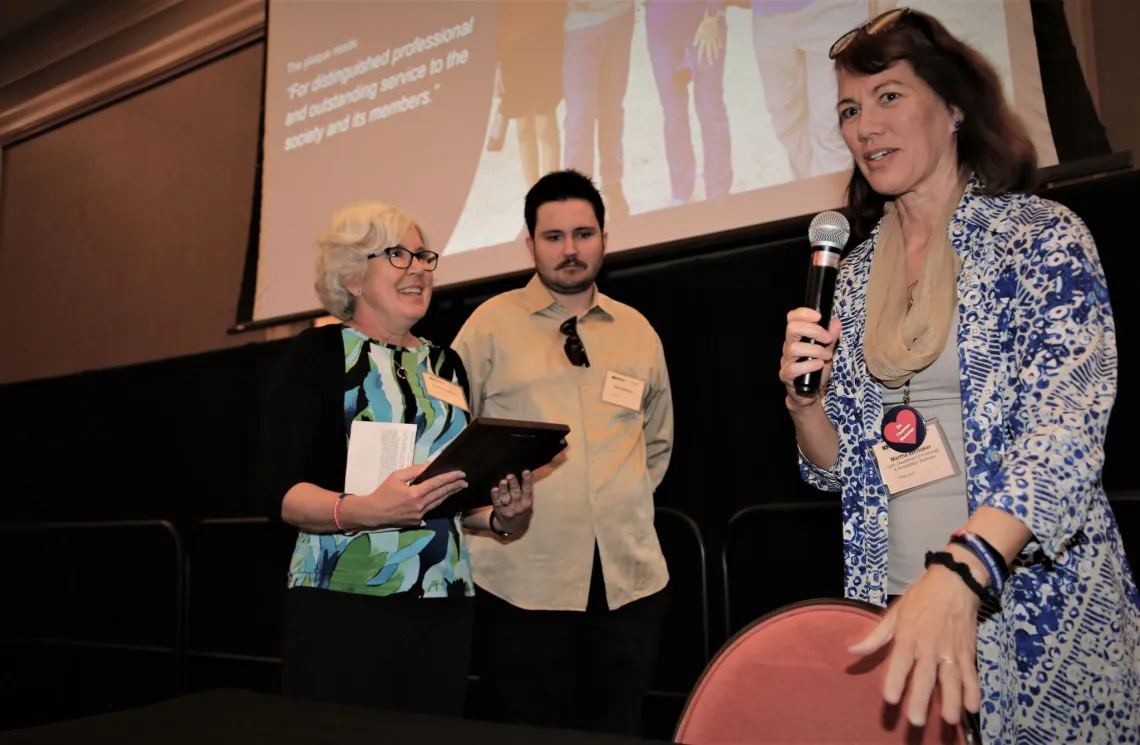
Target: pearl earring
pixel 957 124
pixel 357 293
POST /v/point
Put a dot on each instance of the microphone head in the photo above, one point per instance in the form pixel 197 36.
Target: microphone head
pixel 829 229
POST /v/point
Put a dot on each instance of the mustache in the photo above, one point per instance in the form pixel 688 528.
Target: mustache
pixel 570 262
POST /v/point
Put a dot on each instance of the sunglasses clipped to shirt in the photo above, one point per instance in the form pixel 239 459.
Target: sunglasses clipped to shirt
pixel 575 350
pixel 877 25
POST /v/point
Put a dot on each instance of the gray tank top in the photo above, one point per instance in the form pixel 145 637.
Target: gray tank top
pixel 923 519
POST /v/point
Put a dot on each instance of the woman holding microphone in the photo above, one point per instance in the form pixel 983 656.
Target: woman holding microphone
pixel 967 383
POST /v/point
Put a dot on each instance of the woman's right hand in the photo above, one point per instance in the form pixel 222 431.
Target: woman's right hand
pixel 396 503
pixel 804 322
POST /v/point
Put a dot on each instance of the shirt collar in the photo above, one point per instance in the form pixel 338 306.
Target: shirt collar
pixel 537 298
pixel 976 209
pixel 348 333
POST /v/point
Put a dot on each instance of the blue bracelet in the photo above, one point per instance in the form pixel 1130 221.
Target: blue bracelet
pixel 990 558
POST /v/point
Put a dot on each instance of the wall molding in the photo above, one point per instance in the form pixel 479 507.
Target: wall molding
pixel 68 30
pixel 238 24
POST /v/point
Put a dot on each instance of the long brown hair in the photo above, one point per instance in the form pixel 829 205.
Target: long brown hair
pixel 992 141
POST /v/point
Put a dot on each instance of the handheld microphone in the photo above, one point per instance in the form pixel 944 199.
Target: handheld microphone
pixel 828 234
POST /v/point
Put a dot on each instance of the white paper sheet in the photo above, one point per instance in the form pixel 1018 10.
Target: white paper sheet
pixel 375 450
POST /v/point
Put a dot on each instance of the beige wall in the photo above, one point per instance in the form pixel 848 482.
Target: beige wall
pixel 118 246
pixel 1116 35
pixel 1079 15
pixel 1106 34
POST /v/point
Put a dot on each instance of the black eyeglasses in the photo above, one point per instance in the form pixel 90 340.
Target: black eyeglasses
pixel 401 258
pixel 876 25
pixel 575 351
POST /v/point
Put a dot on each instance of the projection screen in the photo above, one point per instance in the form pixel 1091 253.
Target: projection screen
pixel 445 108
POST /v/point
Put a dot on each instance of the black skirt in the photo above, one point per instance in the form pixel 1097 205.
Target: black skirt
pixel 396 652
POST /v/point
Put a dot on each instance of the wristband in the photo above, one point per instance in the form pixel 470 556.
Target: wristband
pixel 491 525
pixel 336 514
pixel 946 559
pixel 993 561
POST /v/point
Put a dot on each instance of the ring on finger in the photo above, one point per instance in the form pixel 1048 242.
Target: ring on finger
pixel 946 660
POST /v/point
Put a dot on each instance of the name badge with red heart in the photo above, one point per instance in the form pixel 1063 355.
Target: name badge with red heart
pixel 904 430
pixel 930 461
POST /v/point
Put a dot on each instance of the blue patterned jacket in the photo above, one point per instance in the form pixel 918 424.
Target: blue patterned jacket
pixel 1060 661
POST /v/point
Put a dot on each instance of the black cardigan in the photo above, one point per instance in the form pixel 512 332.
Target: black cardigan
pixel 304 435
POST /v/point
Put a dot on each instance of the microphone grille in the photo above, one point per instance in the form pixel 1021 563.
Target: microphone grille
pixel 830 228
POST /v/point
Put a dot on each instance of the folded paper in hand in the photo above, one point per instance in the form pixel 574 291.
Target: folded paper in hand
pixel 375 451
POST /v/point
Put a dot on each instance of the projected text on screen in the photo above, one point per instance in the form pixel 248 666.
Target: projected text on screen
pixel 392 71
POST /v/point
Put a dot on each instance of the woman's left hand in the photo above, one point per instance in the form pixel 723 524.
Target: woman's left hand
pixel 513 502
pixel 935 629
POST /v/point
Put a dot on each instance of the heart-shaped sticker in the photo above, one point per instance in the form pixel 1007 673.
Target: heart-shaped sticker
pixel 903 429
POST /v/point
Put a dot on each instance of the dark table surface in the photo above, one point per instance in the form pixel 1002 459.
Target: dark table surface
pixel 238 717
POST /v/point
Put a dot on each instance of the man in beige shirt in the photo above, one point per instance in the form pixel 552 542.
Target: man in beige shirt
pixel 573 604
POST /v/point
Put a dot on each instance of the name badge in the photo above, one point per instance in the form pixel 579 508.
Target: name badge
pixel 929 462
pixel 445 390
pixel 623 390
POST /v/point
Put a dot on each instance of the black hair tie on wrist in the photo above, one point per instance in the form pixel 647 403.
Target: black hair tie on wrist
pixel 946 559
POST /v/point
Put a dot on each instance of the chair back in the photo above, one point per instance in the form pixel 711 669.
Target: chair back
pixel 788 677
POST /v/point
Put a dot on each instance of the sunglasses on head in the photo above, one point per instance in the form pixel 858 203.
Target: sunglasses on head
pixel 575 350
pixel 877 25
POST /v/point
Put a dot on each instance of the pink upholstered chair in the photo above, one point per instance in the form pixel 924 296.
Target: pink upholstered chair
pixel 788 678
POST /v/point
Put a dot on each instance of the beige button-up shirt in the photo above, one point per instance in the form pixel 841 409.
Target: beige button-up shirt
pixel 601 487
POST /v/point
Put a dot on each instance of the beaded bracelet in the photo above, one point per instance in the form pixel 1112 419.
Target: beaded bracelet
pixel 336 514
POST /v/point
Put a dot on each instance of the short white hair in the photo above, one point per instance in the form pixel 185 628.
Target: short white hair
pixel 342 252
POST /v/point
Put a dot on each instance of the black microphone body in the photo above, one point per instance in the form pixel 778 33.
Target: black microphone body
pixel 819 296
pixel 828 234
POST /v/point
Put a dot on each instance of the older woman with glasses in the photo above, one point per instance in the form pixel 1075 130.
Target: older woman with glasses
pixel 379 610
pixel 968 380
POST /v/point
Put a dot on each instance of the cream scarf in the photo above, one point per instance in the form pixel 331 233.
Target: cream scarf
pixel 899 340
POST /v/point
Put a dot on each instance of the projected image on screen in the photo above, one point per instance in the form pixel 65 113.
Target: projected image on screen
pixel 693 116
